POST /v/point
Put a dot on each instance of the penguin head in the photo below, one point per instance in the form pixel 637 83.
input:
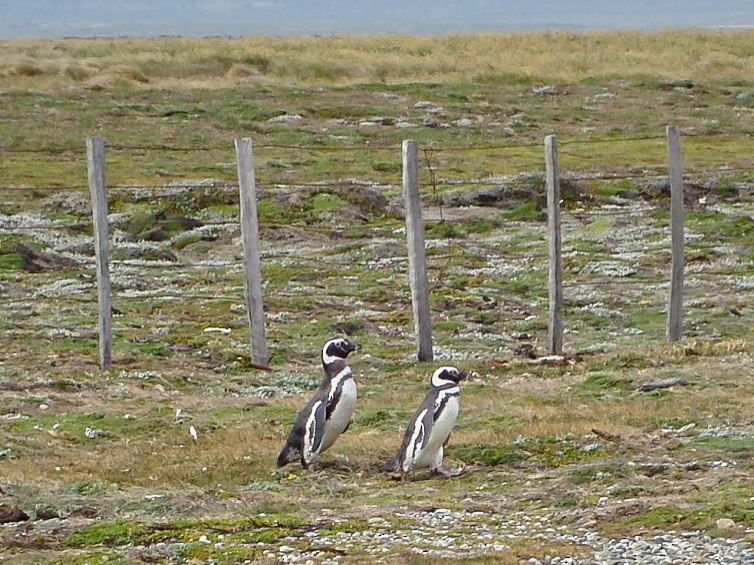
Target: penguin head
pixel 337 348
pixel 447 376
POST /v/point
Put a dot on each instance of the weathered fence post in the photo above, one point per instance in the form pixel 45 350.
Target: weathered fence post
pixel 95 158
pixel 250 236
pixel 675 175
pixel 555 314
pixel 417 255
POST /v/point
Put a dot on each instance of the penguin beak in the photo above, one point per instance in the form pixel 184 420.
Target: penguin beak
pixel 462 376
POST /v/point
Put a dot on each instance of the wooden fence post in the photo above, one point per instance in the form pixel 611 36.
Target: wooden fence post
pixel 555 285
pixel 95 158
pixel 417 255
pixel 675 302
pixel 250 233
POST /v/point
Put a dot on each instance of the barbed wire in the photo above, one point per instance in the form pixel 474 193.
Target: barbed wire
pixel 371 146
pixel 262 184
pixel 44 227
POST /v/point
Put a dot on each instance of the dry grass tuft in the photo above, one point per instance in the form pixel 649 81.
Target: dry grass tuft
pixel 129 73
pixel 243 73
pixel 518 57
pixel 79 73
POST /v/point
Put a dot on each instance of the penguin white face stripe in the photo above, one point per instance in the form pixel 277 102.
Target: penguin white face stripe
pixel 341 345
pixel 437 376
pixel 327 359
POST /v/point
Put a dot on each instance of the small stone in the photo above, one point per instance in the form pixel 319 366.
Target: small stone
pixel 44 406
pixel 47 513
pixel 546 90
pixel 285 119
pixel 725 524
pixel 376 521
pixel 286 549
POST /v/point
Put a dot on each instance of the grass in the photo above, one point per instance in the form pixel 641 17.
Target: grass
pixel 543 439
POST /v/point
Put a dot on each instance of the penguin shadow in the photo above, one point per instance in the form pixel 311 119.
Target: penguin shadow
pixel 390 468
pixel 340 465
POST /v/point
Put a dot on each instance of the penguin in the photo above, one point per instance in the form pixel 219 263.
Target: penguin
pixel 429 429
pixel 328 413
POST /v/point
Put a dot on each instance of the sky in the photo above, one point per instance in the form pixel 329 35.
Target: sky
pixel 144 18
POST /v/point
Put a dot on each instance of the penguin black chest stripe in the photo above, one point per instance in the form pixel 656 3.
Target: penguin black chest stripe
pixel 336 390
pixel 443 396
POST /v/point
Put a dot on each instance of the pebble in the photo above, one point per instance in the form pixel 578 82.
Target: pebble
pixel 452 534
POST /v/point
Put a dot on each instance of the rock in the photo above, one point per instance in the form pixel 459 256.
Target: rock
pixel 725 524
pixel 463 123
pixel 9 514
pixel 84 512
pixel 663 383
pixel 34 261
pixel 286 549
pixel 47 513
pixel 421 104
pixel 285 119
pixel 544 90
pixel 378 120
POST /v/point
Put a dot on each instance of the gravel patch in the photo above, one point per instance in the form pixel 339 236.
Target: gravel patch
pixel 455 534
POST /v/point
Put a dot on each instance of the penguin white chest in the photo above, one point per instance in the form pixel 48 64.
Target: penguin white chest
pixel 343 411
pixel 441 429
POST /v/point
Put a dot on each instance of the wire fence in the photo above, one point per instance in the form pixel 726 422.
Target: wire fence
pixel 503 260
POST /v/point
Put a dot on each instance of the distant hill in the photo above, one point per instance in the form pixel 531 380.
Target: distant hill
pixel 90 18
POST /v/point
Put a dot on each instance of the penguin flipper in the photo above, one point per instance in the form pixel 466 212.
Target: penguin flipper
pixel 415 439
pixel 314 431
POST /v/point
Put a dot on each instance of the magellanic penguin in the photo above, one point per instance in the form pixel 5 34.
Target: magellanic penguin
pixel 429 429
pixel 328 413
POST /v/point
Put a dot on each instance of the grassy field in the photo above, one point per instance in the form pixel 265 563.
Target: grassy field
pixel 559 450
